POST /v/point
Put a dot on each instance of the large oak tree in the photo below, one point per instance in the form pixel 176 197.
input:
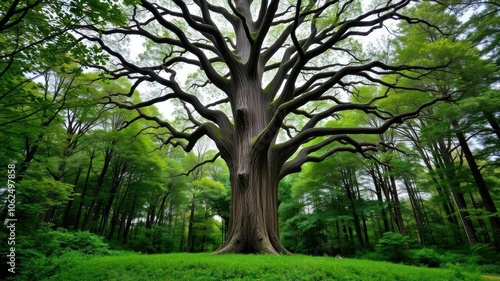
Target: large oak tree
pixel 271 75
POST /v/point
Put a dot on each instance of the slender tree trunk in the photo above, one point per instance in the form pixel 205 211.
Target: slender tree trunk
pixel 339 236
pixel 84 191
pixel 130 217
pixel 351 239
pixel 458 197
pixel 183 230
pixel 397 204
pixel 347 175
pixel 100 182
pixel 378 192
pixel 488 202
pixel 190 238
pixel 417 211
pixel 484 230
pixel 115 219
pixel 363 218
pixel 161 211
pixel 443 195
pixel 387 191
pixel 66 220
pixel 121 227
pixel 118 174
pixel 493 123
pixel 118 208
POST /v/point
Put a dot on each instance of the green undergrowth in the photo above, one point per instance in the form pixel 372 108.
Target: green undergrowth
pixel 230 267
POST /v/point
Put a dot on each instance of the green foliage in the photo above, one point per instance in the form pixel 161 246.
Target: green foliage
pixel 42 267
pixel 392 247
pixel 84 242
pixel 155 240
pixel 237 267
pixel 46 251
pixel 426 257
pixel 55 243
pixel 479 258
pixel 36 195
pixel 486 253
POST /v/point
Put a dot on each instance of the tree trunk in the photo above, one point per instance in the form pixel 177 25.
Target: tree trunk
pixel 190 238
pixel 254 173
pixel 363 218
pixel 349 180
pixel 84 191
pixel 458 197
pixel 100 183
pixel 160 216
pixel 484 229
pixel 417 211
pixel 493 123
pixel 67 210
pixel 130 217
pixel 118 209
pixel 387 191
pixel 183 230
pixel 380 200
pixel 443 195
pixel 488 202
pixel 253 221
pixel 397 204
pixel 118 175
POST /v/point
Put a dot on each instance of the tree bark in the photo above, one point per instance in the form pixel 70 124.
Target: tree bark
pixel 119 171
pixel 84 190
pixel 118 212
pixel 130 217
pixel 397 204
pixel 488 202
pixel 493 123
pixel 190 238
pixel 108 154
pixel 67 210
pixel 254 174
pixel 378 191
pixel 458 197
pixel 349 180
pixel 253 222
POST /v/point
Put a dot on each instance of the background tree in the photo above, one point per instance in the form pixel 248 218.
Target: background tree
pixel 461 78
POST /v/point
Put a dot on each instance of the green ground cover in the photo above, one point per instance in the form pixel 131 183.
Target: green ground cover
pixel 230 267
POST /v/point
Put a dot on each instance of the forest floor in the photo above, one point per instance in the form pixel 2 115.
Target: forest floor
pixel 205 267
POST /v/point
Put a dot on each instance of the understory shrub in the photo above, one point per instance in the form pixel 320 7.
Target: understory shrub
pixel 56 242
pixel 485 252
pixel 43 267
pixel 155 240
pixel 45 251
pixel 425 257
pixel 392 247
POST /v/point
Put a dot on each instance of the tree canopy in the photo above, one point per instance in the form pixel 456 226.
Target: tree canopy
pixel 409 87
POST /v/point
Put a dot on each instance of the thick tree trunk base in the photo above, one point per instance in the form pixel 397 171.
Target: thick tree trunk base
pixel 261 248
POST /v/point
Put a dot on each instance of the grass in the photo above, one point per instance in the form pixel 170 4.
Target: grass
pixel 205 267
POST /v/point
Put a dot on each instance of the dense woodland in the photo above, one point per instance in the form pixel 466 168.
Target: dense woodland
pixel 81 164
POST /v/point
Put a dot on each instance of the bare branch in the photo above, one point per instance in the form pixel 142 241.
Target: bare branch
pixel 289 147
pixel 197 166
